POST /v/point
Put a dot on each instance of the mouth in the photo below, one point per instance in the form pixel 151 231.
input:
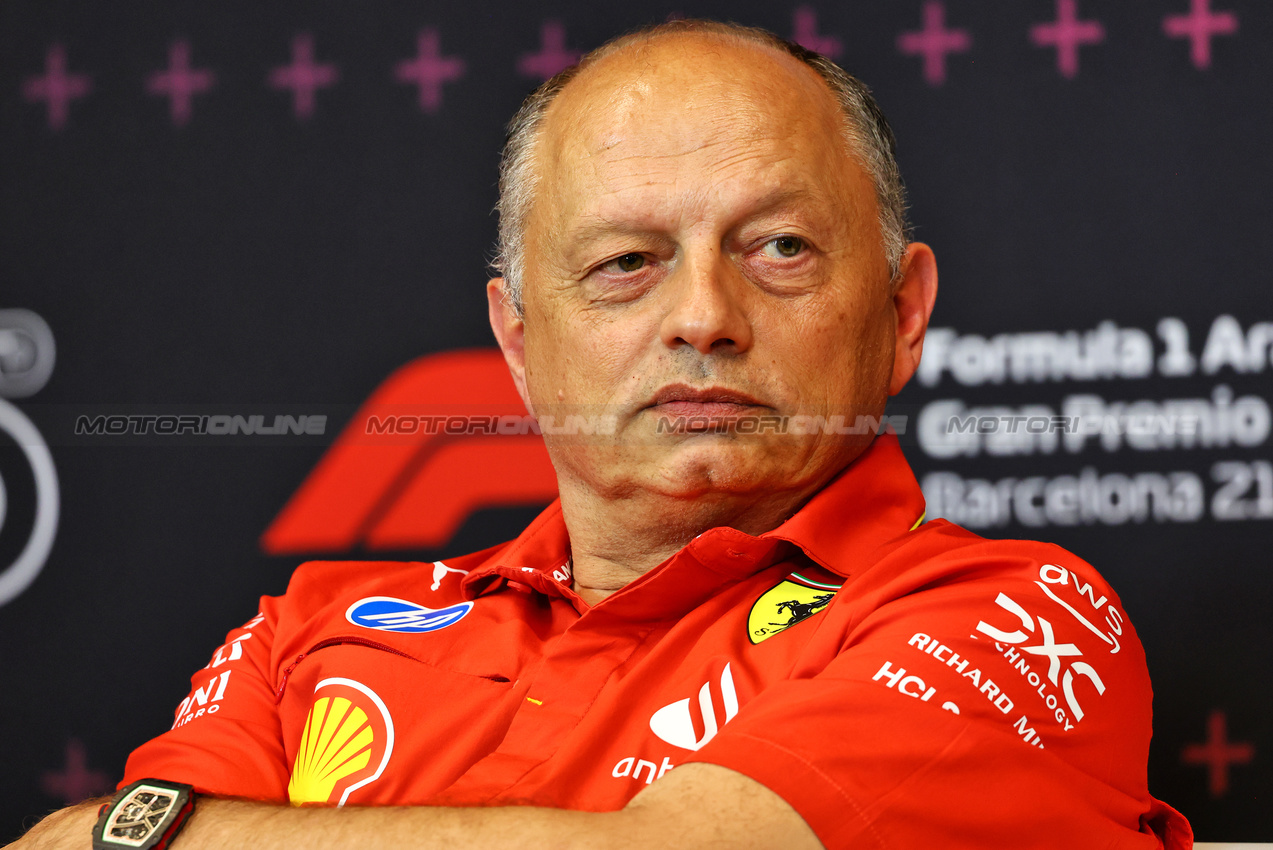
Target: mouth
pixel 703 408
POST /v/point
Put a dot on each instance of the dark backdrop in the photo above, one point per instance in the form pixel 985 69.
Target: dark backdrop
pixel 249 257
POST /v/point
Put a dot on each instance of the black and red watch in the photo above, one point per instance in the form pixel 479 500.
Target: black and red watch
pixel 146 815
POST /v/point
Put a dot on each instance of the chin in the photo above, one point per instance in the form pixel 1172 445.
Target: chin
pixel 703 466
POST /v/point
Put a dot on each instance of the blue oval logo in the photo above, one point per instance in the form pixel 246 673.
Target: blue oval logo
pixel 387 614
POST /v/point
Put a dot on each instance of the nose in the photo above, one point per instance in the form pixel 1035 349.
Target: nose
pixel 707 310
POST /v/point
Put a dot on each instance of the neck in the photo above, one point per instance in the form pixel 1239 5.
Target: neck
pixel 614 541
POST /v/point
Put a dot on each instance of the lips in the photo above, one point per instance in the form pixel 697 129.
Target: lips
pixel 708 402
pixel 674 393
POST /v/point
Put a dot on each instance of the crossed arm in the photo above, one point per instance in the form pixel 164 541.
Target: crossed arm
pixel 696 805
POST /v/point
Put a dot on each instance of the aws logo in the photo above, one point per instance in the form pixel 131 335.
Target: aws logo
pixel 790 601
pixel 346 743
pixel 426 450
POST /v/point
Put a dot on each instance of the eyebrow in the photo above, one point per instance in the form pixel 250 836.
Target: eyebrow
pixel 598 231
pixel 606 228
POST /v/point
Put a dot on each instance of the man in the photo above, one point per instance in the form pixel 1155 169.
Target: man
pixel 702 236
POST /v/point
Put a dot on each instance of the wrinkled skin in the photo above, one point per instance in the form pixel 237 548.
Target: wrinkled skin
pixel 702 245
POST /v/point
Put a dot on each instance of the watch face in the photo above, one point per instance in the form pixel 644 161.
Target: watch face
pixel 142 815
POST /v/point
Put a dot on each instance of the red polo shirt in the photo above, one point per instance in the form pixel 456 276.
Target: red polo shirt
pixel 900 685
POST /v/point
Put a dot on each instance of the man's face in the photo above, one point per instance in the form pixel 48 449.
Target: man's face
pixel 702 250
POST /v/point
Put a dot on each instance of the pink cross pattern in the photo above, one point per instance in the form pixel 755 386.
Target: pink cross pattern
pixel 1218 753
pixel 303 77
pixel 429 69
pixel 933 42
pixel 804 32
pixel 1066 33
pixel 57 88
pixel 76 782
pixel 553 55
pixel 180 83
pixel 1199 26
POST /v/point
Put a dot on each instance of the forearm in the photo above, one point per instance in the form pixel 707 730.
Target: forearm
pixel 219 824
pixel 696 805
pixel 69 828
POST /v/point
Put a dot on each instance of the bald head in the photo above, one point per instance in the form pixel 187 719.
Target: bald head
pixel 699 69
pixel 647 85
pixel 691 65
pixel 634 128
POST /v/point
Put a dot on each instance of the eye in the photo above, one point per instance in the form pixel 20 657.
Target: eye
pixel 627 264
pixel 783 246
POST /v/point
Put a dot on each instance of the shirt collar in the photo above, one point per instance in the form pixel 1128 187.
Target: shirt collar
pixel 539 558
pixel 874 500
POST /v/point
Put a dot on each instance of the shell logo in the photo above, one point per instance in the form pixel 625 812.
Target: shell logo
pixel 345 744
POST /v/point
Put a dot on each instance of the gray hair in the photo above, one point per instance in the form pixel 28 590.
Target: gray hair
pixel 867 133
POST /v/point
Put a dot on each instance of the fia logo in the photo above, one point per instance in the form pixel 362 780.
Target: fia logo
pixel 675 724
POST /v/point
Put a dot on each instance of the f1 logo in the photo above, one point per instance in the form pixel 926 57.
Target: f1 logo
pixel 425 451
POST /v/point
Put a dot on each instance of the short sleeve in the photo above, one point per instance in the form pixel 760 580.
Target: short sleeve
pixel 225 739
pixel 1008 708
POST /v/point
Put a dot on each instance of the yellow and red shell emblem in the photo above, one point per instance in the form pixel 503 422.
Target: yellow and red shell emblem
pixel 345 744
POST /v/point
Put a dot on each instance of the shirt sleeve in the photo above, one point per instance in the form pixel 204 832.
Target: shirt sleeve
pixel 993 703
pixel 225 739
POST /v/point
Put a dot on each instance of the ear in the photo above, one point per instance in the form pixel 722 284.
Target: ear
pixel 913 305
pixel 510 333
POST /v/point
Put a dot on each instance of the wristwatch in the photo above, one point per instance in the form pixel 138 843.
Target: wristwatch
pixel 143 816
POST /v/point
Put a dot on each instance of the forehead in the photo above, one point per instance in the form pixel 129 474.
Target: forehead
pixel 656 116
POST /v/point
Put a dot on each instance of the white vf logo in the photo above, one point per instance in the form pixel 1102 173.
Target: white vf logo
pixel 674 723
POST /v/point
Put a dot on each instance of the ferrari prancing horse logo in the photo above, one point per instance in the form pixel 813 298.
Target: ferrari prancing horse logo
pixel 782 606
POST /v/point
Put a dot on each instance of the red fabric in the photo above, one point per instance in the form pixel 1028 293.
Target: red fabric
pixel 843 702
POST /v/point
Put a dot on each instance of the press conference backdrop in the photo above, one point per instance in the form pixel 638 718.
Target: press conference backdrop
pixel 225 226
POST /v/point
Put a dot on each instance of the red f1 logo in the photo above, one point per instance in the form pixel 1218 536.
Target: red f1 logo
pixel 442 437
